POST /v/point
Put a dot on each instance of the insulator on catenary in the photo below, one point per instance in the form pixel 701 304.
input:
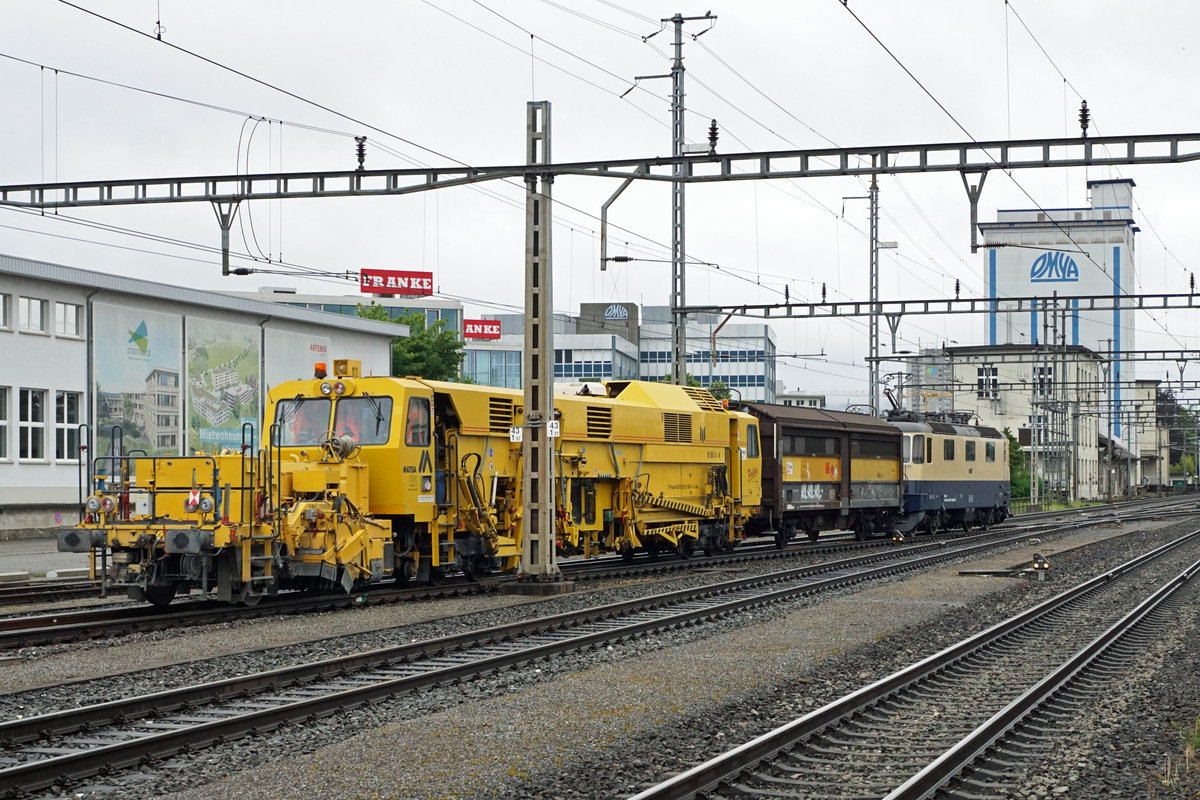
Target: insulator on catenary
pixel 1085 117
pixel 712 136
pixel 360 149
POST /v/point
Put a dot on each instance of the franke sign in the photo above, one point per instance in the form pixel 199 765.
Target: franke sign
pixel 481 329
pixel 395 281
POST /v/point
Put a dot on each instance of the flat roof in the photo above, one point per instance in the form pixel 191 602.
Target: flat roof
pixel 57 273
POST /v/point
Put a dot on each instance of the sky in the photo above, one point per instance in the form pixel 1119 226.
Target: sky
pixel 91 93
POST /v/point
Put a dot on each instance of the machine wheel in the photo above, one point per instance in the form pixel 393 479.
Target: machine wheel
pixel 161 596
pixel 626 552
pixel 652 548
pixel 475 569
pixel 686 546
pixel 436 576
pixel 862 530
pixel 248 597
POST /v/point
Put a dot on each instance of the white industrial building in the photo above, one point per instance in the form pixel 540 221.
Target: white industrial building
pixel 91 357
pixel 1037 253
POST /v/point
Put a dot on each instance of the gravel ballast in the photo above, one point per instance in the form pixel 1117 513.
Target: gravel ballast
pixel 606 723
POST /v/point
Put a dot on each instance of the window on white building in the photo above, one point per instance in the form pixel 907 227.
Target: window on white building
pixel 5 310
pixel 31 424
pixel 31 314
pixel 1043 378
pixel 3 423
pixel 66 319
pixel 987 383
pixel 67 431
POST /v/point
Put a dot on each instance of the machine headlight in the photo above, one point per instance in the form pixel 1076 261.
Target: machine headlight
pixel 326 387
pixel 92 504
pixel 206 504
pixel 339 387
pixel 107 504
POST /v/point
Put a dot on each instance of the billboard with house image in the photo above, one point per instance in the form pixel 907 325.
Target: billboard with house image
pixel 137 356
pixel 223 383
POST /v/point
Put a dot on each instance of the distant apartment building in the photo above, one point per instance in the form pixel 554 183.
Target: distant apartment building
pixel 159 411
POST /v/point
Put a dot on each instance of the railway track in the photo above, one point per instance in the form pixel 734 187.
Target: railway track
pixel 70 745
pixel 47 591
pixel 32 630
pixel 68 626
pixel 962 722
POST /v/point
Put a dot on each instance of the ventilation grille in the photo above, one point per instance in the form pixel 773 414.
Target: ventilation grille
pixel 704 399
pixel 500 414
pixel 677 427
pixel 599 422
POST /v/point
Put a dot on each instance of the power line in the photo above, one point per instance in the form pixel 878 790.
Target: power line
pixel 989 155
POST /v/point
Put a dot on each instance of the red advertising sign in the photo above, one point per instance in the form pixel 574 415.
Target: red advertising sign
pixel 481 329
pixel 395 281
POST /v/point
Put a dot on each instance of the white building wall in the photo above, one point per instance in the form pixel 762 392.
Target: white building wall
pixel 48 362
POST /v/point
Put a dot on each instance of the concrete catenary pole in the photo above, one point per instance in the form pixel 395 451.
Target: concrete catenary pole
pixel 537 448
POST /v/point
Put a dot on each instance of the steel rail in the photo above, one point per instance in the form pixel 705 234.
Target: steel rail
pixel 53 627
pixel 712 773
pixel 47 591
pixel 747 593
pixel 947 766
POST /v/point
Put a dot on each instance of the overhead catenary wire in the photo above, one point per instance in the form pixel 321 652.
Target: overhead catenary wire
pixel 1023 190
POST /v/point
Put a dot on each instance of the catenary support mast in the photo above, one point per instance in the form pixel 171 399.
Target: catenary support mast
pixel 537 448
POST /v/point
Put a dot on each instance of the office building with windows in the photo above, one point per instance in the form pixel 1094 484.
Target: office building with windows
pixel 608 341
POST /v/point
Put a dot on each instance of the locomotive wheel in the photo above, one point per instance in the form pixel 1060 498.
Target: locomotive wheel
pixel 161 595
pixel 812 535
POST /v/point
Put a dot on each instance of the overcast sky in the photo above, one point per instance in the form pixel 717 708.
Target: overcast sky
pixel 447 81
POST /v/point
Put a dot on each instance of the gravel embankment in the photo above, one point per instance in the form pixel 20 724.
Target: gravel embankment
pixel 605 723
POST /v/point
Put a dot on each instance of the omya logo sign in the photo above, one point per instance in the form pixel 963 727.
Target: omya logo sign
pixel 616 311
pixel 481 329
pixel 1053 267
pixel 395 281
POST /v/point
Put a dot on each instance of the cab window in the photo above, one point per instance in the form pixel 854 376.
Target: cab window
pixel 416 425
pixel 914 449
pixel 947 450
pixel 368 419
pixel 989 450
pixel 302 421
pixel 970 451
pixel 751 441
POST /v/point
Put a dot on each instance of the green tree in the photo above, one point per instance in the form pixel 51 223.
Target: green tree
pixel 1017 468
pixel 432 352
